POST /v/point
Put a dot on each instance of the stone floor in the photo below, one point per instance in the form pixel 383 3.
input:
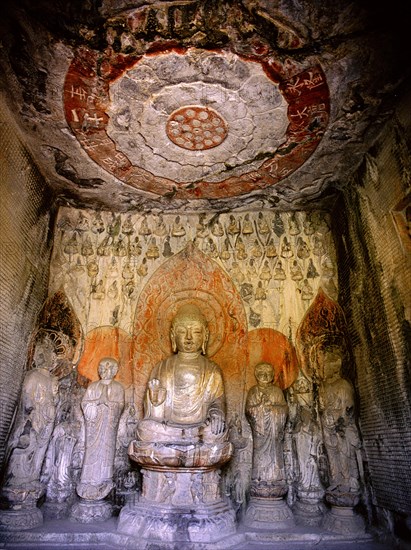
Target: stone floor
pixel 68 535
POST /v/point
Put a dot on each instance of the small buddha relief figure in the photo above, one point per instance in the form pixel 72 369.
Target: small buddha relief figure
pixel 127 273
pixel 152 250
pixel 103 248
pixel 318 246
pixel 278 225
pixel 92 269
pixel 295 271
pixel 167 251
pixel 87 247
pixel 265 273
pixel 72 246
pixel 217 229
pixel 247 292
pixel 160 229
pixel 82 223
pixel 307 292
pixel 279 273
pixel 248 228
pixel 303 251
pixel 134 248
pixel 97 225
pixel 256 250
pixel 129 290
pixel 113 270
pixel 286 251
pixel 102 406
pixel 260 292
pixel 312 273
pixel 327 266
pixel 308 225
pixel 144 229
pixel 112 291
pixel 241 253
pixel 202 230
pixel 210 248
pixel 128 227
pixel 78 268
pixel 263 228
pixel 225 253
pixel 178 229
pixel 271 251
pixel 251 270
pixel 233 227
pixel 294 225
pixel 142 269
pixel 98 291
pixel 119 246
pixel 114 227
pixel 236 274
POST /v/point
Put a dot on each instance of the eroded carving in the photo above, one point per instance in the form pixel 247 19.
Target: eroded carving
pixel 28 443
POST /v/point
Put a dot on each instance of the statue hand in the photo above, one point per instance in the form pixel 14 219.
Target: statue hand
pixel 216 420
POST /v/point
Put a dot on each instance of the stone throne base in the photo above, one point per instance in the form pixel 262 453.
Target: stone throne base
pixel 273 514
pixel 179 505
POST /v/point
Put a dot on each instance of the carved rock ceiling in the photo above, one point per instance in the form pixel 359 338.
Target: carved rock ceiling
pixel 200 105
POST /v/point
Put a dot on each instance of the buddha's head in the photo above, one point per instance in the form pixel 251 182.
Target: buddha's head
pixel 189 331
pixel 107 368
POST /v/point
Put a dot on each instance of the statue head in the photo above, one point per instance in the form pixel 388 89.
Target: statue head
pixel 189 330
pixel 264 374
pixel 44 355
pixel 330 359
pixel 107 368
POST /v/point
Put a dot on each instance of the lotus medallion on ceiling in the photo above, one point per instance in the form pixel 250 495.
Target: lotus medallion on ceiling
pixel 195 123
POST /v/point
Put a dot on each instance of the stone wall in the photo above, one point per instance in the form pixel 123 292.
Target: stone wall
pixel 25 245
pixel 375 272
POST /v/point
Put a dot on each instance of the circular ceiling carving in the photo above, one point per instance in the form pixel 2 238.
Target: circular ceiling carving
pixel 195 128
pixel 195 123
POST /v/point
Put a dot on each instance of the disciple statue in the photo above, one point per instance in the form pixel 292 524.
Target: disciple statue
pixel 185 398
pixel 29 440
pixel 102 406
pixel 340 433
pixel 266 410
pixel 305 433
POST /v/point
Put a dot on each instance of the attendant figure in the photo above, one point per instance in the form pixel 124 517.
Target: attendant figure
pixel 30 437
pixel 102 406
pixel 341 437
pixel 266 410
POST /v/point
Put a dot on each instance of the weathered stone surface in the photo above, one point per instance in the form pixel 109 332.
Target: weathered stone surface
pixel 263 77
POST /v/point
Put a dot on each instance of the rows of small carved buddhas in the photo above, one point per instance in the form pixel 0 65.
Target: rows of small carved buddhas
pixel 277 261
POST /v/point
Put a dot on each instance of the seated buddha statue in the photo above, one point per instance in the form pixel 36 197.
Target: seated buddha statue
pixel 184 408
